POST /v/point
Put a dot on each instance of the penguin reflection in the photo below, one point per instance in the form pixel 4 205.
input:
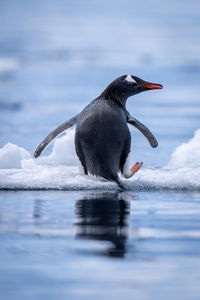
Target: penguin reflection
pixel 104 217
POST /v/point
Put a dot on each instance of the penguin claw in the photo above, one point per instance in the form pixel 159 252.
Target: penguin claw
pixel 134 169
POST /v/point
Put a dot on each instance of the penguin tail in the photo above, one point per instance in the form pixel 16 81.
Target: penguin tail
pixel 119 183
pixel 112 176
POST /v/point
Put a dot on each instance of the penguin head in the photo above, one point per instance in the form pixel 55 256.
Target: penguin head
pixel 128 85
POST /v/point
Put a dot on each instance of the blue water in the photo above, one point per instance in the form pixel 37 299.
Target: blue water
pixel 75 245
pixel 55 57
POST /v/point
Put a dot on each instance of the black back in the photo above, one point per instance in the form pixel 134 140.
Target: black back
pixel 102 138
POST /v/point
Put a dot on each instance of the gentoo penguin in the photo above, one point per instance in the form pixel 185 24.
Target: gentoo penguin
pixel 102 138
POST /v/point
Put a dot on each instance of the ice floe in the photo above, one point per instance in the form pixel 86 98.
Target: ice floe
pixel 59 170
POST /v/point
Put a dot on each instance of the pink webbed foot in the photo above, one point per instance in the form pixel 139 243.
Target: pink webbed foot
pixel 133 170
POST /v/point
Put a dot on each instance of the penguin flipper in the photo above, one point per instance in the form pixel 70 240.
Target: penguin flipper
pixel 55 133
pixel 143 129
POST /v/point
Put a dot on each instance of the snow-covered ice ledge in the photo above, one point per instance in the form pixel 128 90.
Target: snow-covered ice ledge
pixel 58 171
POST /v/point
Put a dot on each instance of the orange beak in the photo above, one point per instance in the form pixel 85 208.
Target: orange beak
pixel 153 86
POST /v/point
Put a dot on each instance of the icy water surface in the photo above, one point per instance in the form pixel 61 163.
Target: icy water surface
pixel 102 245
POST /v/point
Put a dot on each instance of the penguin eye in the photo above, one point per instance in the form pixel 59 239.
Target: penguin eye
pixel 130 79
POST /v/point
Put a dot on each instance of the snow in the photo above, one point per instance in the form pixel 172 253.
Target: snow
pixel 187 155
pixel 12 156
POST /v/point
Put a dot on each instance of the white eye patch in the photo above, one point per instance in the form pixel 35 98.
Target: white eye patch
pixel 130 79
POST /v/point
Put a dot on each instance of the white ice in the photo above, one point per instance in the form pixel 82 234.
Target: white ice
pixel 59 170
